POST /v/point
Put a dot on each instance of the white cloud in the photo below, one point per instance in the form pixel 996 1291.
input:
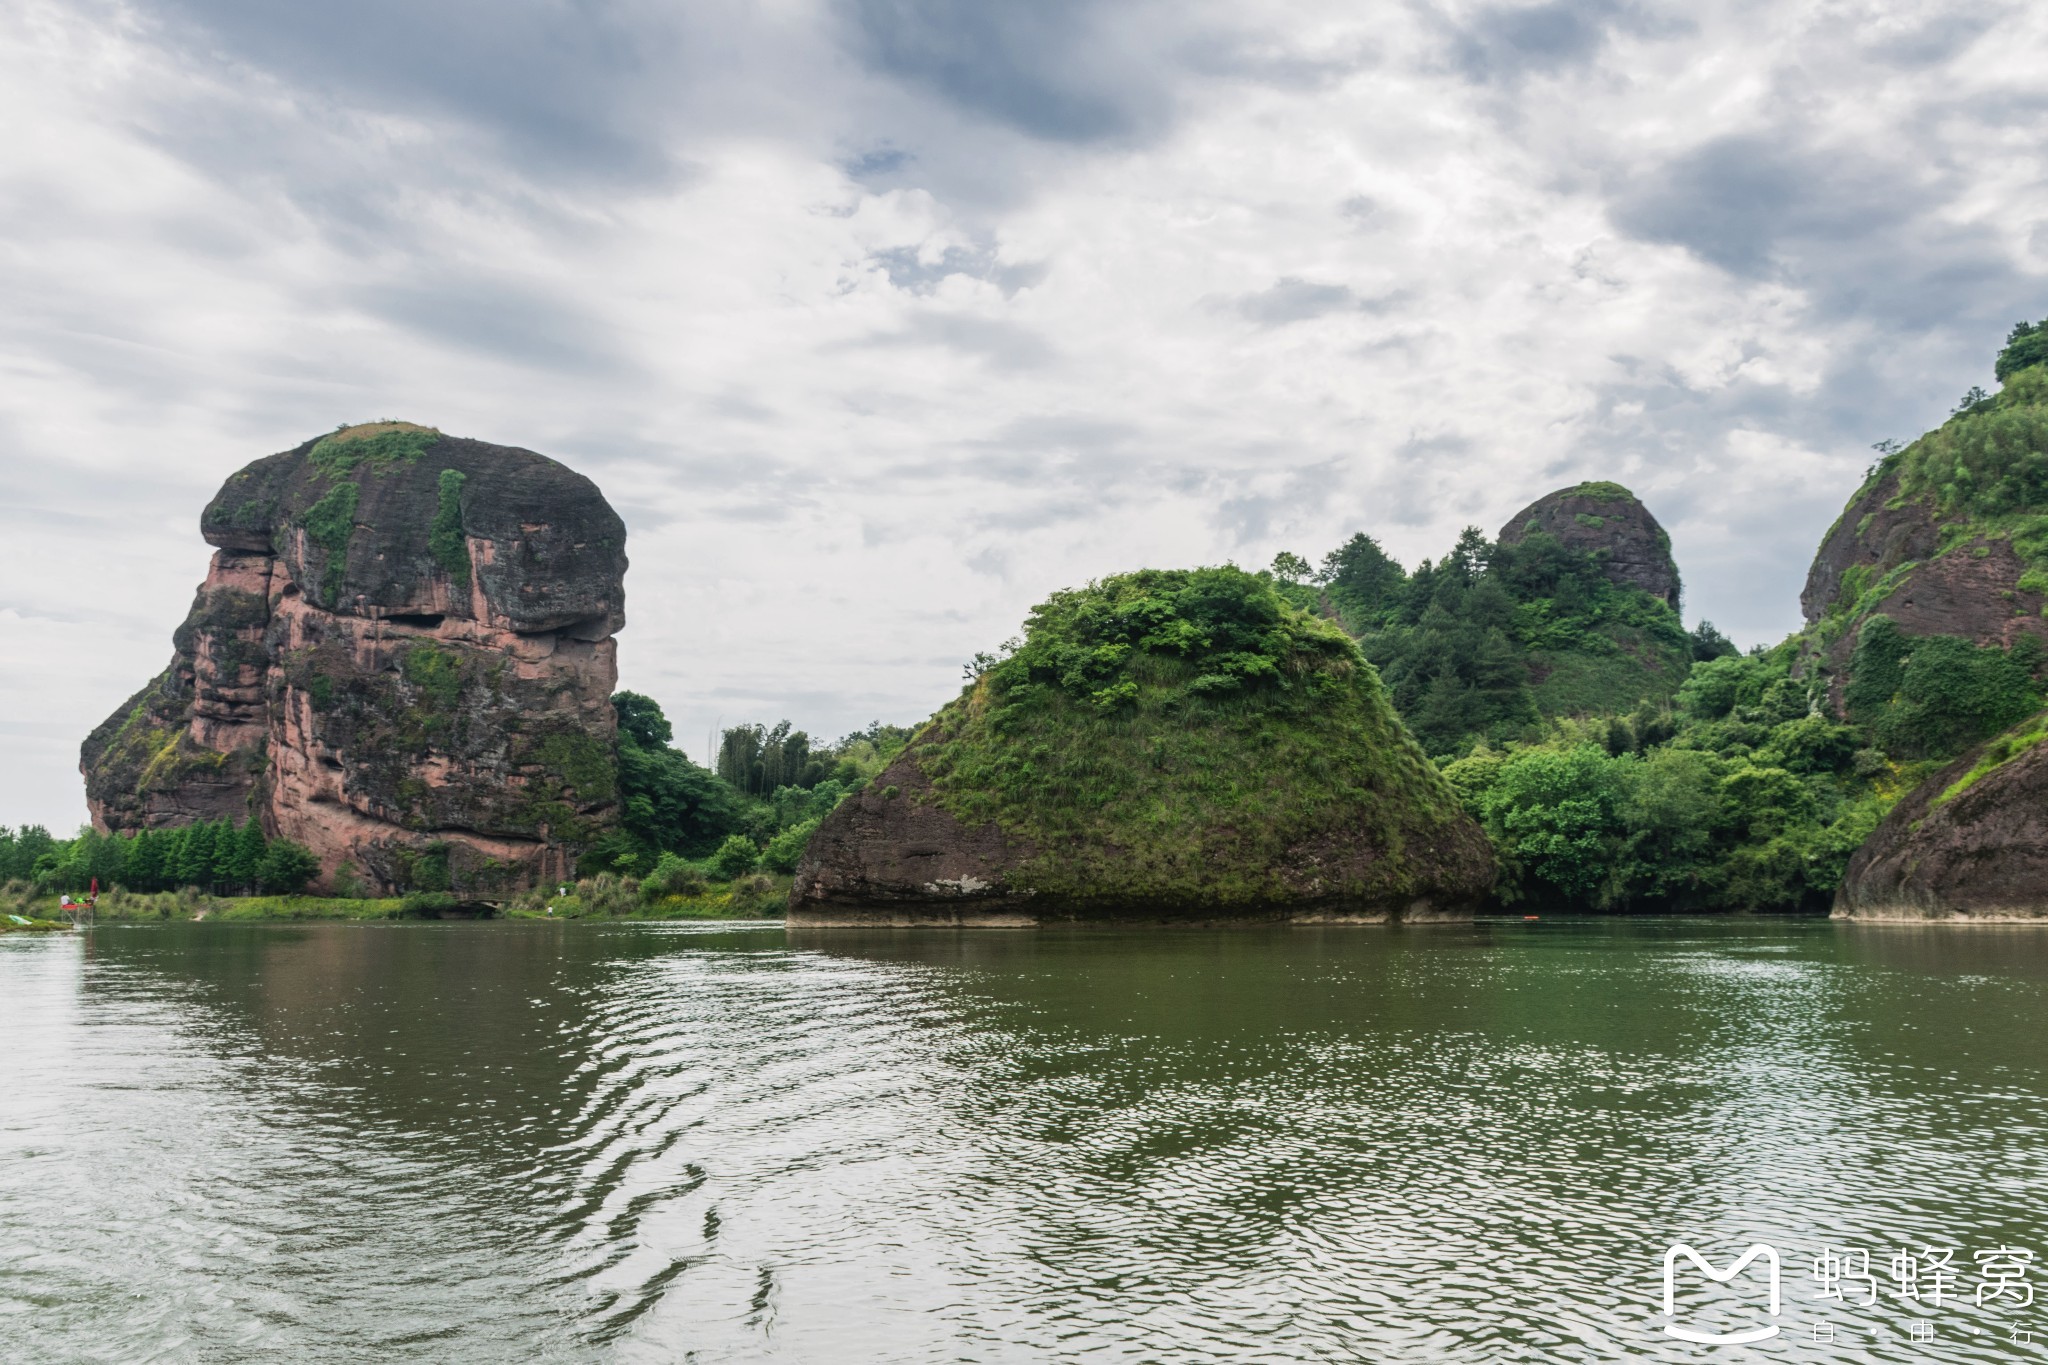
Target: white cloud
pixel 877 334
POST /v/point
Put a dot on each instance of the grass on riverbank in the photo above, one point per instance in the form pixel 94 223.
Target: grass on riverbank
pixel 603 897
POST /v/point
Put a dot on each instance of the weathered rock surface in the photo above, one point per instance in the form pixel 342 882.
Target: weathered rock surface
pixel 1095 775
pixel 1607 519
pixel 892 856
pixel 1961 849
pixel 1886 554
pixel 402 657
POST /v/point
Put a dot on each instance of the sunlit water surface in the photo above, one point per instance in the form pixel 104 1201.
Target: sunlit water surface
pixel 489 1143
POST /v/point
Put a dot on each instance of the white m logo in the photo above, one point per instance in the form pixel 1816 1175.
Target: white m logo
pixel 1769 1255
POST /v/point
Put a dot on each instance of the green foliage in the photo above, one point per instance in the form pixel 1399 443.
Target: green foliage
pixel 669 804
pixel 1599 490
pixel 377 444
pixel 20 849
pixel 1990 461
pixel 1709 643
pixel 581 762
pixel 671 876
pixel 1680 826
pixel 1362 581
pixel 1555 817
pixel 1175 733
pixel 1289 567
pixel 735 857
pixel 445 538
pixel 425 869
pixel 2025 347
pixel 1934 696
pixel 757 759
pixel 2020 739
pixel 285 868
pixel 641 718
pixel 330 523
pixel 437 673
pixel 1495 639
pixel 1220 632
pixel 786 849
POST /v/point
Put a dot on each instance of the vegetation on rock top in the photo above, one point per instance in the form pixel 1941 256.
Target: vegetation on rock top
pixel 1173 735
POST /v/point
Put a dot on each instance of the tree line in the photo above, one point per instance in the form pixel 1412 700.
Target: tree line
pixel 216 856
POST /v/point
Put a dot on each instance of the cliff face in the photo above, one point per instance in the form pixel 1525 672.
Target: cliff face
pixel 1946 538
pixel 1606 519
pixel 1970 843
pixel 402 657
pixel 1179 746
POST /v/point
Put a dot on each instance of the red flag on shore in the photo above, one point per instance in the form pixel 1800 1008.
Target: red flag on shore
pixel 95 888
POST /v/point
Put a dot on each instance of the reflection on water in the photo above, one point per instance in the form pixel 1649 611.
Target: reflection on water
pixel 554 1142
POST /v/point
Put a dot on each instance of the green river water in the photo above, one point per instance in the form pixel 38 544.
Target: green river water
pixel 513 1142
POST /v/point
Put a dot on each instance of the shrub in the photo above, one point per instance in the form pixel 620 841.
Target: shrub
pixel 735 857
pixel 786 849
pixel 425 904
pixel 671 877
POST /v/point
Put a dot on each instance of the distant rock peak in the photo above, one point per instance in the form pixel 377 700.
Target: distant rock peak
pixel 1601 517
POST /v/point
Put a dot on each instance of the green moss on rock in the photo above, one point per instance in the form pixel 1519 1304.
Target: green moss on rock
pixel 1162 743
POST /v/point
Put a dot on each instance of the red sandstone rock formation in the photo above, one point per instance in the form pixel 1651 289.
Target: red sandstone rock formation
pixel 1886 555
pixel 1967 844
pixel 1604 519
pixel 402 657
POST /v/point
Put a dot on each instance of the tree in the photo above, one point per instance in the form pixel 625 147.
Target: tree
pixel 1557 817
pixel 1290 567
pixel 286 868
pixel 245 866
pixel 735 857
pixel 1709 643
pixel 641 718
pixel 195 860
pixel 2025 347
pixel 1363 581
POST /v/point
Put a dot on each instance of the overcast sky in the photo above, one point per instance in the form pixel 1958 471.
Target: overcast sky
pixel 878 320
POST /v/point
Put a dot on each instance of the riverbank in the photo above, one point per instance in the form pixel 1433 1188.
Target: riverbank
pixel 754 897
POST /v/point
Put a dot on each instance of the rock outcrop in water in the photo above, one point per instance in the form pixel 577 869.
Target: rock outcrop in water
pixel 1971 843
pixel 402 658
pixel 1608 520
pixel 1163 745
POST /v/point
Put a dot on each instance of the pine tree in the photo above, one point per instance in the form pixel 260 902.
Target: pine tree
pixel 195 859
pixel 248 855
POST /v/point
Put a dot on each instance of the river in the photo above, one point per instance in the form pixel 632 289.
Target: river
pixel 511 1142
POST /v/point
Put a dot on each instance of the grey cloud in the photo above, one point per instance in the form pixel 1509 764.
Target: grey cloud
pixel 500 318
pixel 877 165
pixel 907 270
pixel 1054 69
pixel 1866 239
pixel 1363 210
pixel 1738 201
pixel 1005 345
pixel 1266 59
pixel 1936 41
pixel 1505 42
pixel 563 84
pixel 1291 299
